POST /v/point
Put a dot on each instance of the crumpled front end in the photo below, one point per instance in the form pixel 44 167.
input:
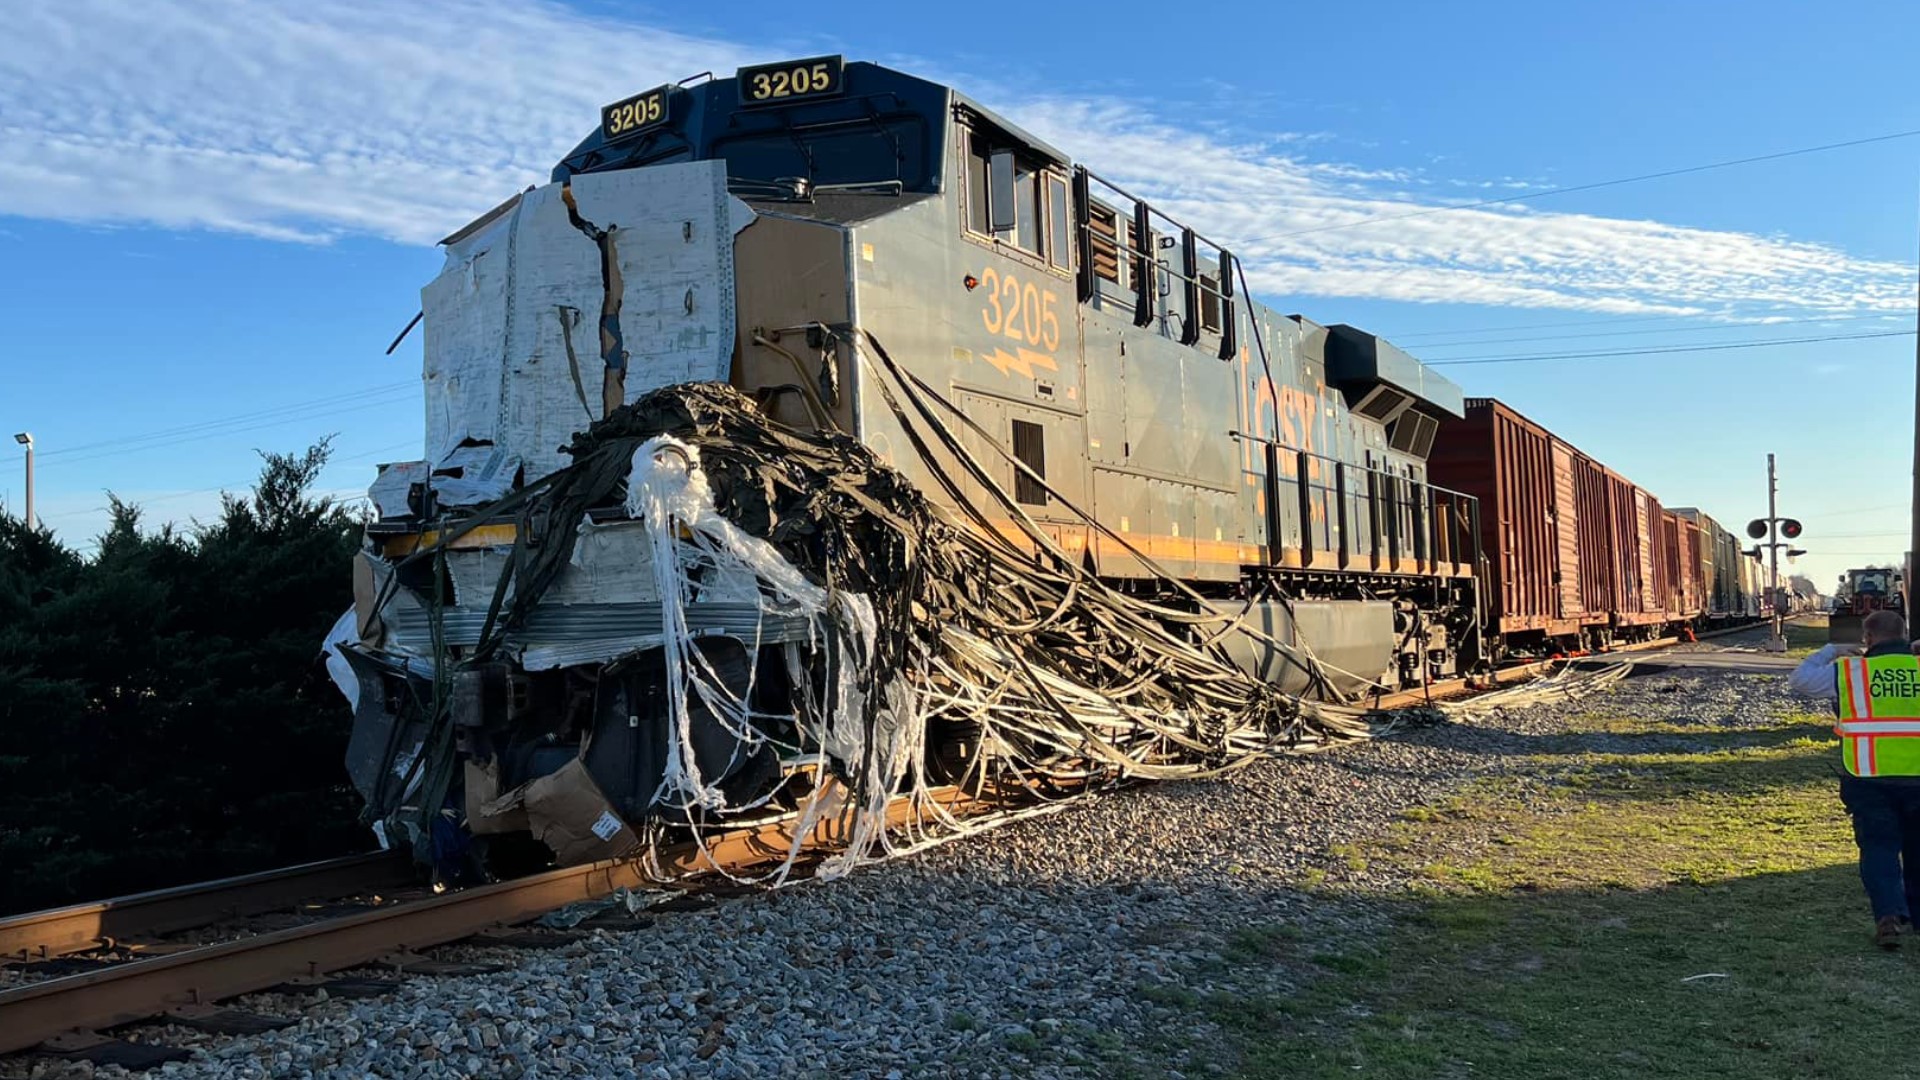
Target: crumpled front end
pixel 506 657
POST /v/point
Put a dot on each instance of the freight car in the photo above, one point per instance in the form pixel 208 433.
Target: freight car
pixel 1731 578
pixel 826 238
pixel 1578 556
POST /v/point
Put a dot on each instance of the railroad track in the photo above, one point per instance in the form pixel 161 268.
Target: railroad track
pixel 63 1015
pixel 389 926
pixel 128 922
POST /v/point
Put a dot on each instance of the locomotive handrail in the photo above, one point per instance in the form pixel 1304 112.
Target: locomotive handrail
pixel 1268 440
pixel 1146 264
pixel 1429 535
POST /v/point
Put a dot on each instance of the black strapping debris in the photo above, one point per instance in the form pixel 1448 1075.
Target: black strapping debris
pixel 951 642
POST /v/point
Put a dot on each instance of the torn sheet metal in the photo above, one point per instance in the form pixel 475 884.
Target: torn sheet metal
pixel 392 490
pixel 345 631
pixel 598 631
pixel 521 328
pixel 610 564
pixel 475 475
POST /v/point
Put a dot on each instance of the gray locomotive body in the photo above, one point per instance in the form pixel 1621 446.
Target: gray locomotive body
pixel 1104 363
pixel 1231 444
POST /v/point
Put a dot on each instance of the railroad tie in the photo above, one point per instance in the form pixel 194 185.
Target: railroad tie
pixel 224 1021
pixel 101 1050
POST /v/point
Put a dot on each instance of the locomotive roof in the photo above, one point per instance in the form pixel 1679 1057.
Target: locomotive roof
pixel 704 113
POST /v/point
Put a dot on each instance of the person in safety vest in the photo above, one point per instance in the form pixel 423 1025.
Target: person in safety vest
pixel 1876 696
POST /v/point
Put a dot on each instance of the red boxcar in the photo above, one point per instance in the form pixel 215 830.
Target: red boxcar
pixel 1683 567
pixel 1542 507
pixel 1576 553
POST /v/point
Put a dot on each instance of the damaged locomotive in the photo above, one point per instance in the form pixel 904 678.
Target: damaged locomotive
pixel 709 415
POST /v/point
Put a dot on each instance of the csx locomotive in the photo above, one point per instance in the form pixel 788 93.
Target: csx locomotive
pixel 750 230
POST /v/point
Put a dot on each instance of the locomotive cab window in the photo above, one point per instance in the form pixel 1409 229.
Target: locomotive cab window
pixel 1015 200
pixel 1026 207
pixel 1059 222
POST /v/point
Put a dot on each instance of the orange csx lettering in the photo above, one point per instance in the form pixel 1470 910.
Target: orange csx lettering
pixel 1298 411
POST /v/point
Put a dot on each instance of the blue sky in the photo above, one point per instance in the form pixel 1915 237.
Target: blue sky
pixel 214 217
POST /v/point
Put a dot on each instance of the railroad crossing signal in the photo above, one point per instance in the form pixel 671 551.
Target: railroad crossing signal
pixel 1789 528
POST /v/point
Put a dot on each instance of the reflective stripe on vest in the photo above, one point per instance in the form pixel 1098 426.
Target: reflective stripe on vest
pixel 1879 705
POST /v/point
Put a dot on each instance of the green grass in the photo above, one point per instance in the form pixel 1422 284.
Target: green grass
pixel 1662 910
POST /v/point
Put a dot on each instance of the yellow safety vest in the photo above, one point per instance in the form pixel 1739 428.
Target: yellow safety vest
pixel 1879 724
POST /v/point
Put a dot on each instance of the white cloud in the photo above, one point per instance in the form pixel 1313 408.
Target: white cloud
pixel 1297 224
pixel 305 122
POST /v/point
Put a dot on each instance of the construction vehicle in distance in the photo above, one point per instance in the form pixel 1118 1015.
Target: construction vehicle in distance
pixel 1861 591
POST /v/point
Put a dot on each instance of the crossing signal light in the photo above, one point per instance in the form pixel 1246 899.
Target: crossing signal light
pixel 1757 528
pixel 1789 528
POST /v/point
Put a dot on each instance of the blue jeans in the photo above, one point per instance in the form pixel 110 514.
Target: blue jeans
pixel 1886 828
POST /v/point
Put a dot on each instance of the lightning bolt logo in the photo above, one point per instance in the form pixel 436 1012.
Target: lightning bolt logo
pixel 1021 361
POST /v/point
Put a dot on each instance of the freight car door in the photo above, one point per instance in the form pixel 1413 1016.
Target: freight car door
pixel 1646 528
pixel 1566 533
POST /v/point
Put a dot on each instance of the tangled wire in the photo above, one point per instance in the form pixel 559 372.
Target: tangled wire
pixel 933 621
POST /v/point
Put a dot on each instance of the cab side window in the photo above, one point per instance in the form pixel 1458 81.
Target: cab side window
pixel 979 155
pixel 1059 244
pixel 1026 207
pixel 1016 200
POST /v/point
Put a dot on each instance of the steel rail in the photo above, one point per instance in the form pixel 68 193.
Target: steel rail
pixel 1450 688
pixel 40 935
pixel 37 1012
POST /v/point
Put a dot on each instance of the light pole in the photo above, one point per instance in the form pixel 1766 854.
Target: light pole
pixel 25 438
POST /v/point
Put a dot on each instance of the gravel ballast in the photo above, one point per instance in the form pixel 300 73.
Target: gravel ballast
pixel 1043 948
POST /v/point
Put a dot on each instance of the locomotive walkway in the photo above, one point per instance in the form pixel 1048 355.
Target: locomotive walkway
pixel 1655 878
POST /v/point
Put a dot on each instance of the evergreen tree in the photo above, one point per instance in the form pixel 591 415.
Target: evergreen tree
pixel 164 715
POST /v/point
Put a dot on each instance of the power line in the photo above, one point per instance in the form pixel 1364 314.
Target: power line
pixel 1655 330
pixel 362 456
pixel 1618 320
pixel 248 415
pixel 1663 174
pixel 357 401
pixel 1613 321
pixel 1592 355
pixel 1856 510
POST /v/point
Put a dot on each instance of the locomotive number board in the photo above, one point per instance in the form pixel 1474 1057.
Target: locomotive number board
pixel 631 116
pixel 777 84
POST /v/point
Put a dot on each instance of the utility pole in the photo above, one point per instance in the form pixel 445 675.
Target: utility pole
pixel 25 438
pixel 1913 539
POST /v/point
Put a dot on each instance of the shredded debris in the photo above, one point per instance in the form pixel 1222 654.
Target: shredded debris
pixel 921 626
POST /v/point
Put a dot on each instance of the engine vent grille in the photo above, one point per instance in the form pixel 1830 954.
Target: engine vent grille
pixel 1030 447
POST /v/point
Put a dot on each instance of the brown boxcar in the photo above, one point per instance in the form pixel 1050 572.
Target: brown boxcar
pixel 1576 554
pixel 1629 546
pixel 1687 567
pixel 1543 510
pixel 1659 599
